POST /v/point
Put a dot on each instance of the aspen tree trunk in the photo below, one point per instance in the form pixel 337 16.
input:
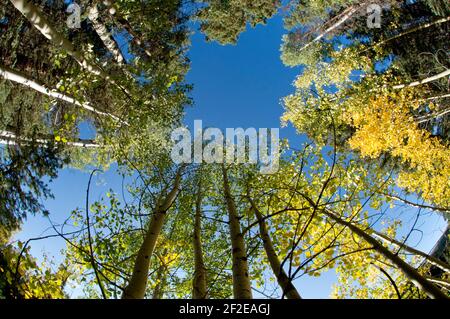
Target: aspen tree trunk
pixel 138 282
pixel 161 279
pixel 8 138
pixel 20 78
pixel 104 34
pixel 423 81
pixel 163 270
pixel 431 290
pixel 347 14
pixel 199 290
pixel 438 97
pixel 39 21
pixel 418 28
pixel 430 259
pixel 241 281
pixel 435 115
pixel 283 280
pixel 441 282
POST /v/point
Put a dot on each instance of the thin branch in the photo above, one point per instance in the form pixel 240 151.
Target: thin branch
pixel 91 252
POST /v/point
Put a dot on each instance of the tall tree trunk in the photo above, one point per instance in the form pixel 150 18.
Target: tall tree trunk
pixel 160 278
pixel 40 22
pixel 138 282
pixel 104 34
pixel 431 290
pixel 439 281
pixel 163 270
pixel 423 81
pixel 283 280
pixel 431 116
pixel 430 259
pixel 8 138
pixel 241 281
pixel 415 29
pixel 20 78
pixel 199 290
pixel 347 14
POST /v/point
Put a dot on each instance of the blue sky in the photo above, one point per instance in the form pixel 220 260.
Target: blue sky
pixel 240 85
pixel 234 86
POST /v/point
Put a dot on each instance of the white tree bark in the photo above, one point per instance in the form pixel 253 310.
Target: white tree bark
pixel 20 78
pixel 432 260
pixel 423 81
pixel 435 115
pixel 39 21
pixel 199 285
pixel 283 280
pixel 138 282
pixel 421 282
pixel 8 138
pixel 420 27
pixel 348 13
pixel 104 34
pixel 242 288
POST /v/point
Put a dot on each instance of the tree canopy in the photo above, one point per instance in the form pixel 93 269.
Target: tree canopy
pixel 371 103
